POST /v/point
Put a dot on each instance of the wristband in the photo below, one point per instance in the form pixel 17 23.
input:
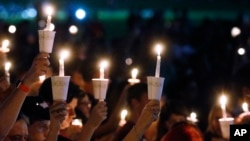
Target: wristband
pixel 21 86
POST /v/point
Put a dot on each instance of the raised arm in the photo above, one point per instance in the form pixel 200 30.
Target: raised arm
pixel 57 115
pixel 98 114
pixel 148 115
pixel 10 108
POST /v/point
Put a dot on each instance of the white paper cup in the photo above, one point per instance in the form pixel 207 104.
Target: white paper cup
pixel 225 126
pixel 100 88
pixel 155 86
pixel 60 85
pixel 46 40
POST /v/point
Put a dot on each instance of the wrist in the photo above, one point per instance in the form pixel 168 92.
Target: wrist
pixel 21 86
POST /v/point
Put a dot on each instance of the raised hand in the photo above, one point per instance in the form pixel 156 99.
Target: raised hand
pixel 39 67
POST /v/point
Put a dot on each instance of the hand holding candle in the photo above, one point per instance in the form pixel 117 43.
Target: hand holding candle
pixel 223 102
pixel 7 68
pixel 158 48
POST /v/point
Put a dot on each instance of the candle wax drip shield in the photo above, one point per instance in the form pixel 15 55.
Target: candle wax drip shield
pixel 225 126
pixel 100 88
pixel 46 40
pixel 60 85
pixel 155 86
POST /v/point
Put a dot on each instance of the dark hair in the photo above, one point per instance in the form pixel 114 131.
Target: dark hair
pixel 169 108
pixel 184 131
pixel 36 109
pixel 136 91
pixel 45 91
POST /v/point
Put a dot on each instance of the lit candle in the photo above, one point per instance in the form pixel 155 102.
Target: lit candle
pixel 158 48
pixel 5 45
pixel 49 10
pixel 133 78
pixel 124 113
pixel 7 68
pixel 64 54
pixel 193 117
pixel 103 65
pixel 245 107
pixel 223 102
pixel 77 122
pixel 134 73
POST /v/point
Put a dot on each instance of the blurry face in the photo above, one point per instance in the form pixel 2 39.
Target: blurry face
pixel 38 130
pixel 19 132
pixel 84 106
pixel 173 119
pixel 215 122
pixel 70 114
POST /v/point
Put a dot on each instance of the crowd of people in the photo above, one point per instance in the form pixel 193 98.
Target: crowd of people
pixel 199 62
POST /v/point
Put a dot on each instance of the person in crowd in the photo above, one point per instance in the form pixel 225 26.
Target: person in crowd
pixel 213 131
pixel 183 131
pixel 148 115
pixel 98 114
pixel 11 106
pixel 19 131
pixel 241 87
pixel 172 112
pixel 137 98
pixel 83 107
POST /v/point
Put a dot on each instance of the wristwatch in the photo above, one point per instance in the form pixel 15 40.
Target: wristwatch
pixel 19 85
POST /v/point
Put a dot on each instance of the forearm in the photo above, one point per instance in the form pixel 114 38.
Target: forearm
pixel 53 134
pixel 134 134
pixel 87 132
pixel 10 109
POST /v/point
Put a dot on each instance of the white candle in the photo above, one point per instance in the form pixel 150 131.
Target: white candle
pixel 124 113
pixel 103 65
pixel 158 48
pixel 223 102
pixel 7 68
pixel 64 54
pixel 49 10
pixel 134 73
pixel 245 107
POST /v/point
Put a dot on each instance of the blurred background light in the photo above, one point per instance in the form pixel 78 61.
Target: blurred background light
pixel 12 29
pixel 241 51
pixel 73 29
pixel 80 14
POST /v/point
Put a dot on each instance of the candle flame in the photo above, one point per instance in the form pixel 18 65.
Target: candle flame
pixel 64 54
pixel 158 48
pixel 5 43
pixel 245 107
pixel 223 100
pixel 49 10
pixel 7 66
pixel 134 73
pixel 193 115
pixel 124 113
pixel 77 122
pixel 103 64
